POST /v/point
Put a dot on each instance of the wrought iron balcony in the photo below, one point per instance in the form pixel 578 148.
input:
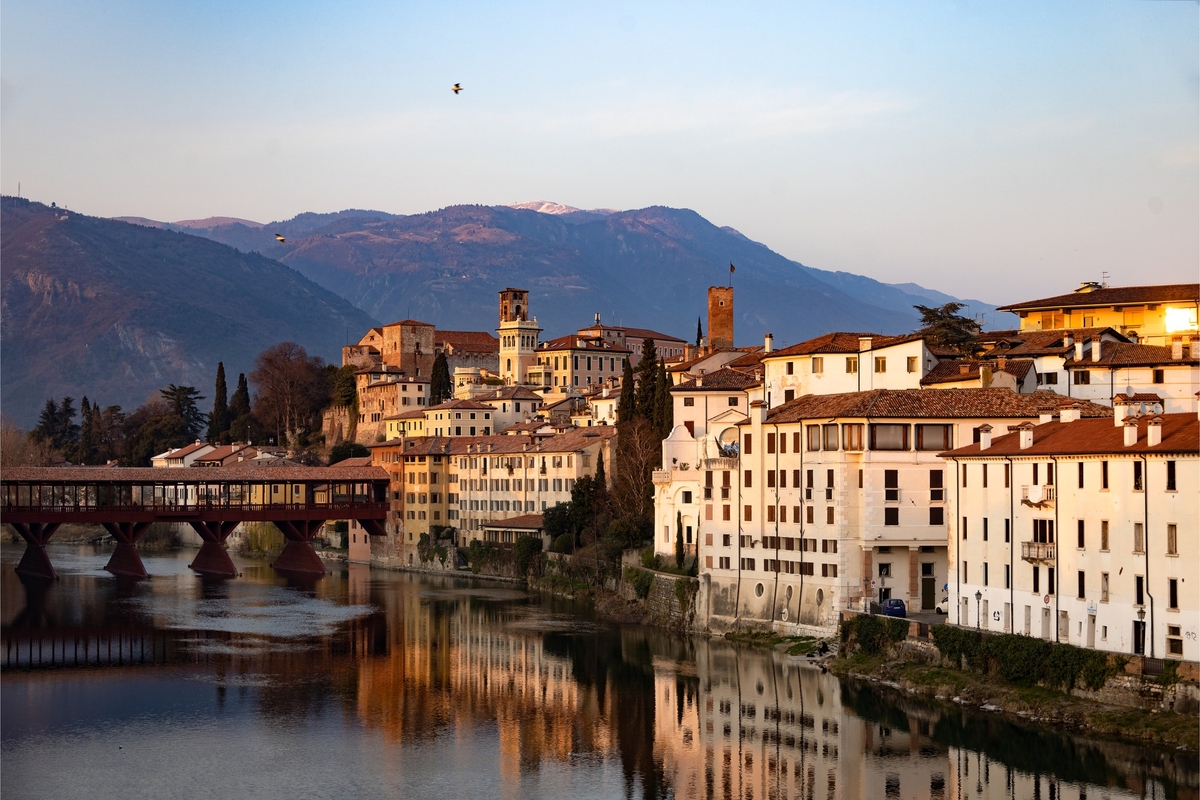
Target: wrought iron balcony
pixel 1037 551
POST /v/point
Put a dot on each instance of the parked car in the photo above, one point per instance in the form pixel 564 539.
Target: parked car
pixel 942 607
pixel 894 608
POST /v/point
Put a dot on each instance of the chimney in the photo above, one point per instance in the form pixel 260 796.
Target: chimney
pixel 1153 432
pixel 1079 350
pixel 985 376
pixel 1096 349
pixel 687 352
pixel 597 318
pixel 1177 350
pixel 985 436
pixel 1194 350
pixel 1001 362
pixel 768 343
pixel 1045 415
pixel 1120 410
pixel 864 344
pixel 1068 339
pixel 1026 432
pixel 759 408
pixel 1131 432
pixel 1069 413
pixel 964 368
pixel 699 381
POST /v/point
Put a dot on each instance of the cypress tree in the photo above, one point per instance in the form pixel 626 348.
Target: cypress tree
pixel 647 386
pixel 86 449
pixel 679 539
pixel 218 420
pixel 239 411
pixel 441 388
pixel 699 332
pixel 601 480
pixel 664 412
pixel 626 405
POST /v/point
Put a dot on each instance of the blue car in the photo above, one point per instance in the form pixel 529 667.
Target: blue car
pixel 894 608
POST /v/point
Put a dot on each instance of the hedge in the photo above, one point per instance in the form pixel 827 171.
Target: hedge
pixel 641 581
pixel 1024 660
pixel 873 634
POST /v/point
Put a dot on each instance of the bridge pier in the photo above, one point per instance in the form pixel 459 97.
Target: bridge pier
pixel 298 555
pixel 213 559
pixel 125 560
pixel 35 563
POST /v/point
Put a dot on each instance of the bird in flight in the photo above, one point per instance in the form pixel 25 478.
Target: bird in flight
pixel 280 238
pixel 457 88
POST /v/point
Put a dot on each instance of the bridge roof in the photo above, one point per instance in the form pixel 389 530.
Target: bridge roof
pixel 241 473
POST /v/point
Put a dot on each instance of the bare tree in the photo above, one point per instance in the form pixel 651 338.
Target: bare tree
pixel 19 449
pixel 291 388
pixel 638 453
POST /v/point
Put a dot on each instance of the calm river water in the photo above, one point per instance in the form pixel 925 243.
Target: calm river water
pixel 373 684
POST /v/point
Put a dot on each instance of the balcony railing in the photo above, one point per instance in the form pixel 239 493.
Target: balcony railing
pixel 720 463
pixel 1037 551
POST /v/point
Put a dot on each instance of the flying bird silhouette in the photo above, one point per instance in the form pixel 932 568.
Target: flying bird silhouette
pixel 280 238
pixel 457 88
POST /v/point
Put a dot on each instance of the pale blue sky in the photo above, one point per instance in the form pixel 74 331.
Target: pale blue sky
pixel 995 150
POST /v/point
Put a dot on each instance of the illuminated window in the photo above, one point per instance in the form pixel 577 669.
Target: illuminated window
pixel 1180 319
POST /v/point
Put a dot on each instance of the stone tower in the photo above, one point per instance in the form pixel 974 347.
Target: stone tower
pixel 720 318
pixel 518 336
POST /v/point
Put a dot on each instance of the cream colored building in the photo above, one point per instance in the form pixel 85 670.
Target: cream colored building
pixel 1081 531
pixel 518 336
pixel 574 363
pixel 1151 314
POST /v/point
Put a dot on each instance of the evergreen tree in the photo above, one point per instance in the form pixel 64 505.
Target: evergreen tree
pixel 47 427
pixel 218 420
pixel 679 539
pixel 345 392
pixel 627 404
pixel 56 426
pixel 647 382
pixel 242 425
pixel 85 452
pixel 601 479
pixel 181 402
pixel 440 387
pixel 943 326
pixel 699 332
pixel 664 412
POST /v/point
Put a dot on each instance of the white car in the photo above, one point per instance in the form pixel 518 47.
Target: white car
pixel 942 607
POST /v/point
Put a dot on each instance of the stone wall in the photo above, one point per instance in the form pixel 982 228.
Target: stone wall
pixel 669 606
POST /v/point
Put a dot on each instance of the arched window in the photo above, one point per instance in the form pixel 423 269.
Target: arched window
pixel 509 365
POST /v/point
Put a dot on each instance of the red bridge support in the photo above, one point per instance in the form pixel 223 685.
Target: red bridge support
pixel 298 555
pixel 213 559
pixel 35 563
pixel 125 559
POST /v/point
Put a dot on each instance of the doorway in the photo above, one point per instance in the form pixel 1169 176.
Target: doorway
pixel 1091 630
pixel 928 588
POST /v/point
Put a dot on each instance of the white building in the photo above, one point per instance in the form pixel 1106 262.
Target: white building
pixel 1081 531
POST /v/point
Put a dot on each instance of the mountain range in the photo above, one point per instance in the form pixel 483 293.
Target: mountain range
pixel 116 308
pixel 648 267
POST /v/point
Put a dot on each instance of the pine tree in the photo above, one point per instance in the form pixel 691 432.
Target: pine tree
pixel 647 383
pixel 218 420
pixel 699 332
pixel 440 387
pixel 241 422
pixel 626 405
pixel 85 452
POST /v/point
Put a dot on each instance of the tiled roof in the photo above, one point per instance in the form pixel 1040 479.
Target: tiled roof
pixel 1052 342
pixel 1138 397
pixel 837 342
pixel 577 438
pixel 469 341
pixel 951 371
pixel 1117 295
pixel 354 461
pixel 576 342
pixel 525 522
pixel 747 361
pixel 459 405
pixel 925 404
pixel 416 413
pixel 226 452
pixel 646 333
pixel 721 380
pixel 244 471
pixel 410 322
pixel 510 393
pixel 1127 354
pixel 1180 434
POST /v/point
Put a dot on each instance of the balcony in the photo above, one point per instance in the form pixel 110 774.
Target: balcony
pixel 1037 552
pixel 720 463
pixel 661 476
pixel 1038 496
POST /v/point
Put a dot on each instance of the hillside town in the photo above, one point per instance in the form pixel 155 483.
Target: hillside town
pixel 839 473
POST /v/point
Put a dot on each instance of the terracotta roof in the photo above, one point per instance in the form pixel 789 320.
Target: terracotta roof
pixel 1117 295
pixel 410 322
pixel 186 450
pixel 242 472
pixel 416 413
pixel 510 393
pixel 226 452
pixel 721 380
pixel 525 522
pixel 531 426
pixel 468 341
pixel 646 333
pixel 459 405
pixel 575 439
pixel 1127 354
pixel 924 404
pixel 749 360
pixel 838 342
pixel 951 371
pixel 355 461
pixel 1138 397
pixel 1051 342
pixel 1180 434
pixel 684 366
pixel 576 342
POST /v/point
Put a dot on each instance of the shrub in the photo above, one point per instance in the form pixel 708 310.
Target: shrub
pixel 641 581
pixel 685 590
pixel 478 554
pixel 956 643
pixel 650 559
pixel 525 549
pixel 565 543
pixel 873 634
pixel 1016 659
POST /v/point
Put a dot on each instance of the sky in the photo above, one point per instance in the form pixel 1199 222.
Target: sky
pixel 999 151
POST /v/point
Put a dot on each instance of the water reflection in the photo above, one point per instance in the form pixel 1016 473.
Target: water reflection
pixel 385 684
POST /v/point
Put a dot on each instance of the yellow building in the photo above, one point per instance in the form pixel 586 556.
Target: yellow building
pixel 1147 314
pixel 573 363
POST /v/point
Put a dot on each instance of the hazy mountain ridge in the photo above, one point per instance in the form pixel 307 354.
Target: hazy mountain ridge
pixel 650 266
pixel 111 310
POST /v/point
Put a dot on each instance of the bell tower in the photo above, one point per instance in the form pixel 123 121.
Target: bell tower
pixel 518 336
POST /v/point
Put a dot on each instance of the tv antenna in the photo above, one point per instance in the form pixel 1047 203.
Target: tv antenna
pixel 1104 279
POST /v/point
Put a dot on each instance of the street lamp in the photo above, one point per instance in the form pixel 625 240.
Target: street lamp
pixel 978 597
pixel 1139 646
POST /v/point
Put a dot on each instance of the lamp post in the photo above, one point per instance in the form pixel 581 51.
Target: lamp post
pixel 978 597
pixel 1139 646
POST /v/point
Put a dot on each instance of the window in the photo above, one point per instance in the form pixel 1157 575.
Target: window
pixel 937 515
pixel 1103 587
pixel 1174 641
pixel 1139 591
pixel 1007 530
pixel 788 396
pixel 1081 542
pixel 852 436
pixel 1139 538
pixel 746 446
pixel 1052 321
pixel 1104 535
pixel 770 479
pixel 814 437
pixel 770 513
pixel 1007 577
pixel 885 570
pixel 1170 476
pixel 687 498
pixel 1133 316
pixel 809 515
pixel 891 516
pixel 1081 377
pixel 1172 540
pixel 829 570
pixel 748 513
pixel 880 364
pixel 790 370
pixel 830 436
pixel 985 573
pixel 1158 376
pixel 912 363
pixel 937 492
pixel 749 478
pixel 1049 378
pixel 770 444
pixel 964 528
pixel 818 365
pixel 1035 474
pixel 733 401
pixel 1173 594
pixel 1007 474
pixel 889 437
pixel 689 401
pixel 852 364
pixel 725 513
pixel 933 437
pixel 1082 582
pixel 1080 474
pixel 829 515
pixel 1137 476
pixel 1051 584
pixel 1037 580
pixel 985 529
pixel 985 466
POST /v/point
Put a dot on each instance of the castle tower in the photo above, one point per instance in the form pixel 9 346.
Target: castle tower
pixel 518 336
pixel 720 318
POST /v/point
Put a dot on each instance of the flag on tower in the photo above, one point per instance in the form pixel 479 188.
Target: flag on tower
pixel 731 268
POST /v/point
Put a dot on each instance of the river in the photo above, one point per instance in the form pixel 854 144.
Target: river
pixel 373 684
